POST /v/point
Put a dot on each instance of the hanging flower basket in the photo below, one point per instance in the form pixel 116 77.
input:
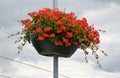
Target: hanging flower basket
pixel 55 32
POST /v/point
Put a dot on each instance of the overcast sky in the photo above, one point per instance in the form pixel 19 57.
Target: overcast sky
pixel 104 14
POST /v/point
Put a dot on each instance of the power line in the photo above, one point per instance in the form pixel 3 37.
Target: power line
pixel 31 66
pixel 4 76
pixel 4 32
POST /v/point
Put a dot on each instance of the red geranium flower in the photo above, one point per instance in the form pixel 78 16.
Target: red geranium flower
pixel 65 40
pixel 59 31
pixel 38 30
pixel 58 23
pixel 41 38
pixel 63 28
pixel 25 21
pixel 69 34
pixel 52 35
pixel 45 35
pixel 76 43
pixel 47 29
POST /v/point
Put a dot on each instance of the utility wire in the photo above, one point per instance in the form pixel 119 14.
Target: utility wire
pixel 4 76
pixel 7 33
pixel 31 65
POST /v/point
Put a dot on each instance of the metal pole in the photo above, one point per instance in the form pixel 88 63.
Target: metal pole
pixel 54 4
pixel 55 66
pixel 55 57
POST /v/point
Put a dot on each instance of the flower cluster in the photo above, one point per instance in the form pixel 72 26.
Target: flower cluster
pixel 62 29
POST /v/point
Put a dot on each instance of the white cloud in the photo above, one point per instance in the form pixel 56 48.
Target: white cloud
pixel 84 70
pixel 108 38
pixel 104 14
pixel 67 67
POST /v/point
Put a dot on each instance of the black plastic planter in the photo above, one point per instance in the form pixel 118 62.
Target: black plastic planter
pixel 47 48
